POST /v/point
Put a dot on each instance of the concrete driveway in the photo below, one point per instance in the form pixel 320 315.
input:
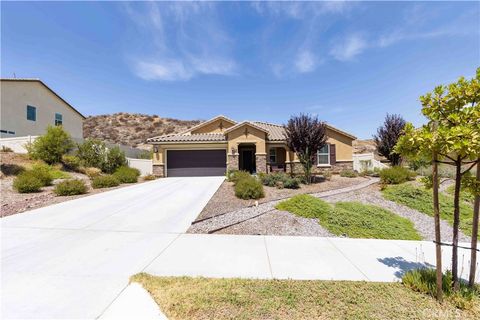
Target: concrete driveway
pixel 72 259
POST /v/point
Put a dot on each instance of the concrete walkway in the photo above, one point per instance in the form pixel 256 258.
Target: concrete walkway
pixel 74 259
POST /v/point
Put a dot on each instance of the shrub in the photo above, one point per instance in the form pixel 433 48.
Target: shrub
pixel 115 158
pixel 327 174
pixel 149 177
pixel 236 175
pixel 27 183
pixel 71 162
pixel 94 153
pixel 51 146
pixel 106 181
pixel 6 149
pixel 127 175
pixel 249 188
pixel 396 175
pixel 70 187
pixel 92 172
pixel 43 173
pixel 271 179
pixel 424 281
pixel 292 183
pixel 348 173
pixel 305 206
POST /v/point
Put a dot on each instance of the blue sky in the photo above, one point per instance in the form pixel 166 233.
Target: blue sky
pixel 347 62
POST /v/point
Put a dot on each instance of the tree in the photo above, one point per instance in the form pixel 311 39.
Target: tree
pixel 387 137
pixel 95 153
pixel 453 135
pixel 305 135
pixel 51 146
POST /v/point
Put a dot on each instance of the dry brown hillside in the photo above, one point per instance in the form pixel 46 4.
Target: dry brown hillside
pixel 132 129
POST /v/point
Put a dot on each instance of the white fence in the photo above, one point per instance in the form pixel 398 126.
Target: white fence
pixel 144 165
pixel 366 161
pixel 17 144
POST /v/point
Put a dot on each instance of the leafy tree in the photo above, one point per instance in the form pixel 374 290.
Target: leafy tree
pixel 305 135
pixel 387 137
pixel 51 146
pixel 452 136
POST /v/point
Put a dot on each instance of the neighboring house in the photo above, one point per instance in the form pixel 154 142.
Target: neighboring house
pixel 221 144
pixel 28 106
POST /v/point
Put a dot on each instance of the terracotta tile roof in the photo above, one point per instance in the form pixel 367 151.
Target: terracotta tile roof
pixel 201 137
pixel 275 132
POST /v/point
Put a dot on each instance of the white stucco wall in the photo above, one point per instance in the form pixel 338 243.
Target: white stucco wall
pixel 14 98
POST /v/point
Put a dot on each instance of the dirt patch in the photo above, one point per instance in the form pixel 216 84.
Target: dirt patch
pixel 224 200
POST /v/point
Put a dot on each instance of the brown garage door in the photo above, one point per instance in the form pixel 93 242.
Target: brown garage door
pixel 195 163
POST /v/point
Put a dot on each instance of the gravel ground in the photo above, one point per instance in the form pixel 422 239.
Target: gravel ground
pixel 423 223
pixel 272 223
pixel 279 223
pixel 224 200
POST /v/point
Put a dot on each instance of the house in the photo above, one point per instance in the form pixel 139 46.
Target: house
pixel 29 106
pixel 221 144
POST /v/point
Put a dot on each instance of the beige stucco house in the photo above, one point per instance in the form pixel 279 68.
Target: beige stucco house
pixel 221 144
pixel 28 106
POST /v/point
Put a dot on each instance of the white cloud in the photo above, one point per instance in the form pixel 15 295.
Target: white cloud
pixel 305 62
pixel 349 47
pixel 187 40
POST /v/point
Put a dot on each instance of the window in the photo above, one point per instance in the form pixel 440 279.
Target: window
pixel 31 113
pixel 323 155
pixel 58 119
pixel 273 155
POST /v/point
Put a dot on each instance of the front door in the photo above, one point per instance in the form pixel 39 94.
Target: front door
pixel 248 161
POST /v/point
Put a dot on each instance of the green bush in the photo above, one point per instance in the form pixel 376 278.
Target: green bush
pixel 149 177
pixel 348 173
pixel 127 175
pixel 424 280
pixel 249 188
pixel 42 172
pixel 95 153
pixel 396 175
pixel 353 219
pixel 70 187
pixel 27 183
pixel 106 181
pixel 236 175
pixel 71 162
pixel 93 172
pixel 115 158
pixel 291 183
pixel 51 146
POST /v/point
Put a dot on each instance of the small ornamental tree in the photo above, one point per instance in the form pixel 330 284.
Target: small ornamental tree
pixel 51 146
pixel 452 136
pixel 305 135
pixel 387 137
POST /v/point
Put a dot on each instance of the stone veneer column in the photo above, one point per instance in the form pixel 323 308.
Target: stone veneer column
pixel 159 170
pixel 232 163
pixel 261 162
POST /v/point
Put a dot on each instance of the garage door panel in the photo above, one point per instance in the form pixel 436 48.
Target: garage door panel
pixel 190 163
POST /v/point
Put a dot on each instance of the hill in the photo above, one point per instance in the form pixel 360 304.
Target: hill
pixel 132 129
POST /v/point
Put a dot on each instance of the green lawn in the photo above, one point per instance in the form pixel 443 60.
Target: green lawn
pixel 201 298
pixel 420 199
pixel 354 219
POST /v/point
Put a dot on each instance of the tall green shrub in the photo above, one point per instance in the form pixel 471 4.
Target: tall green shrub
pixel 95 153
pixel 51 146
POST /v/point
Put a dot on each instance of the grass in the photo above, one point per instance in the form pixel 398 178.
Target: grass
pixel 464 195
pixel 201 298
pixel 353 219
pixel 421 199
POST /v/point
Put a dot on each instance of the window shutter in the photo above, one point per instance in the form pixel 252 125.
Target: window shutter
pixel 333 155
